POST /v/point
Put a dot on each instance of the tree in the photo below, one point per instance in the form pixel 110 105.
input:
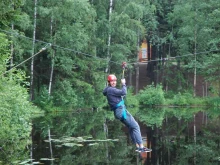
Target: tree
pixel 78 75
pixel 75 64
pixel 33 52
pixel 210 69
pixel 188 41
pixel 16 110
pixel 212 72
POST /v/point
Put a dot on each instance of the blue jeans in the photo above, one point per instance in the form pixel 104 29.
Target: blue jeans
pixel 130 122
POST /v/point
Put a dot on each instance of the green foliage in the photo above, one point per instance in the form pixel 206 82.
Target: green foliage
pixel 211 72
pixel 123 28
pixel 182 99
pixel 79 31
pixel 151 95
pixel 185 113
pixel 213 101
pixel 169 94
pixel 131 102
pixel 44 101
pixel 9 12
pixel 65 95
pixel 16 110
pixel 194 33
pixel 76 133
pixel 151 116
pixel 78 78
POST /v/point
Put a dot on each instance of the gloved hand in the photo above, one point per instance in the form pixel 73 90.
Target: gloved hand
pixel 123 81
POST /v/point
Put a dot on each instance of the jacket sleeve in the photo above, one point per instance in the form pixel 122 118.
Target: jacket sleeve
pixel 120 92
pixel 105 91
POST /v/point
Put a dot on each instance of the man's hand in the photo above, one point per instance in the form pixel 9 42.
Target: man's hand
pixel 123 81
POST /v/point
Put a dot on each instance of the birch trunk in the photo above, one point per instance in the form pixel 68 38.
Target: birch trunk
pixel 12 45
pixel 32 60
pixel 194 84
pixel 137 66
pixel 179 75
pixel 52 57
pixel 169 55
pixel 109 37
pixel 107 71
pixel 51 149
pixel 12 50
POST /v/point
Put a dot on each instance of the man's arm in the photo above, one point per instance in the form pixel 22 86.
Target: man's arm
pixel 122 91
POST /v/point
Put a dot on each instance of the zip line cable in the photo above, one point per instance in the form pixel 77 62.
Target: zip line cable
pixel 57 46
pixel 191 54
pixel 109 61
pixel 43 49
pixel 176 57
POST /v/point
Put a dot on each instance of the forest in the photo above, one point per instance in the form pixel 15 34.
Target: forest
pixel 56 55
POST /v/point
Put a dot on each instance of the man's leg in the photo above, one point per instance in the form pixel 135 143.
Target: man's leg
pixel 134 129
pixel 135 133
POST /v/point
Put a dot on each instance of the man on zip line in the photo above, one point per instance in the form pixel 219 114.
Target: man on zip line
pixel 116 102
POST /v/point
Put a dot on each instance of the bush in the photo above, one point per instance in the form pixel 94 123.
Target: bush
pixel 213 102
pixel 131 102
pixel 16 110
pixel 186 98
pixel 169 94
pixel 151 95
pixel 179 99
pixel 151 116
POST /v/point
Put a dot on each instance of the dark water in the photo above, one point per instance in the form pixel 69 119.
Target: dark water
pixel 177 136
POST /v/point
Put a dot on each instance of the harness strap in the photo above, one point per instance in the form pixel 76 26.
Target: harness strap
pixel 124 114
pixel 120 103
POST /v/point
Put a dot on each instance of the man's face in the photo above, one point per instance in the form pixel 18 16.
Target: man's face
pixel 113 83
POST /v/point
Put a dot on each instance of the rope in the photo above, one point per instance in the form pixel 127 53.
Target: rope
pixel 43 49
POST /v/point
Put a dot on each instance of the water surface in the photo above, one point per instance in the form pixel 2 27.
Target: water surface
pixel 178 136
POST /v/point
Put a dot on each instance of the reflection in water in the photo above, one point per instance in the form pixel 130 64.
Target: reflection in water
pixel 12 153
pixel 79 138
pixel 178 136
pixel 183 135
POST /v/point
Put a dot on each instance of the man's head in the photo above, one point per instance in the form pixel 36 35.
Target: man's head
pixel 112 80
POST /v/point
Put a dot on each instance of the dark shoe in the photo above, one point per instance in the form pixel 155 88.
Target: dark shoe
pixel 137 149
pixel 144 149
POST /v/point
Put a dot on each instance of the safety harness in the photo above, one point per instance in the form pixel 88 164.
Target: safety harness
pixel 124 115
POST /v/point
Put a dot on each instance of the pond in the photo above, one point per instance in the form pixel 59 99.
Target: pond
pixel 177 136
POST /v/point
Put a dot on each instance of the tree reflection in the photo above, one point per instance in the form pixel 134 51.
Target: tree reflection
pixel 178 136
pixel 182 135
pixel 13 152
pixel 92 146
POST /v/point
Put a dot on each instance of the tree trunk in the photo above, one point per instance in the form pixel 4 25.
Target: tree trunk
pixel 195 45
pixel 218 88
pixel 194 84
pixel 52 57
pixel 130 77
pixel 12 46
pixel 12 50
pixel 32 60
pixel 51 149
pixel 194 134
pixel 137 78
pixel 179 74
pixel 137 65
pixel 169 55
pixel 157 67
pixel 109 38
pixel 107 71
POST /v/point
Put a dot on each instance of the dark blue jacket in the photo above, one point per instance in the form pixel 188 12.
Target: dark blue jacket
pixel 114 95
